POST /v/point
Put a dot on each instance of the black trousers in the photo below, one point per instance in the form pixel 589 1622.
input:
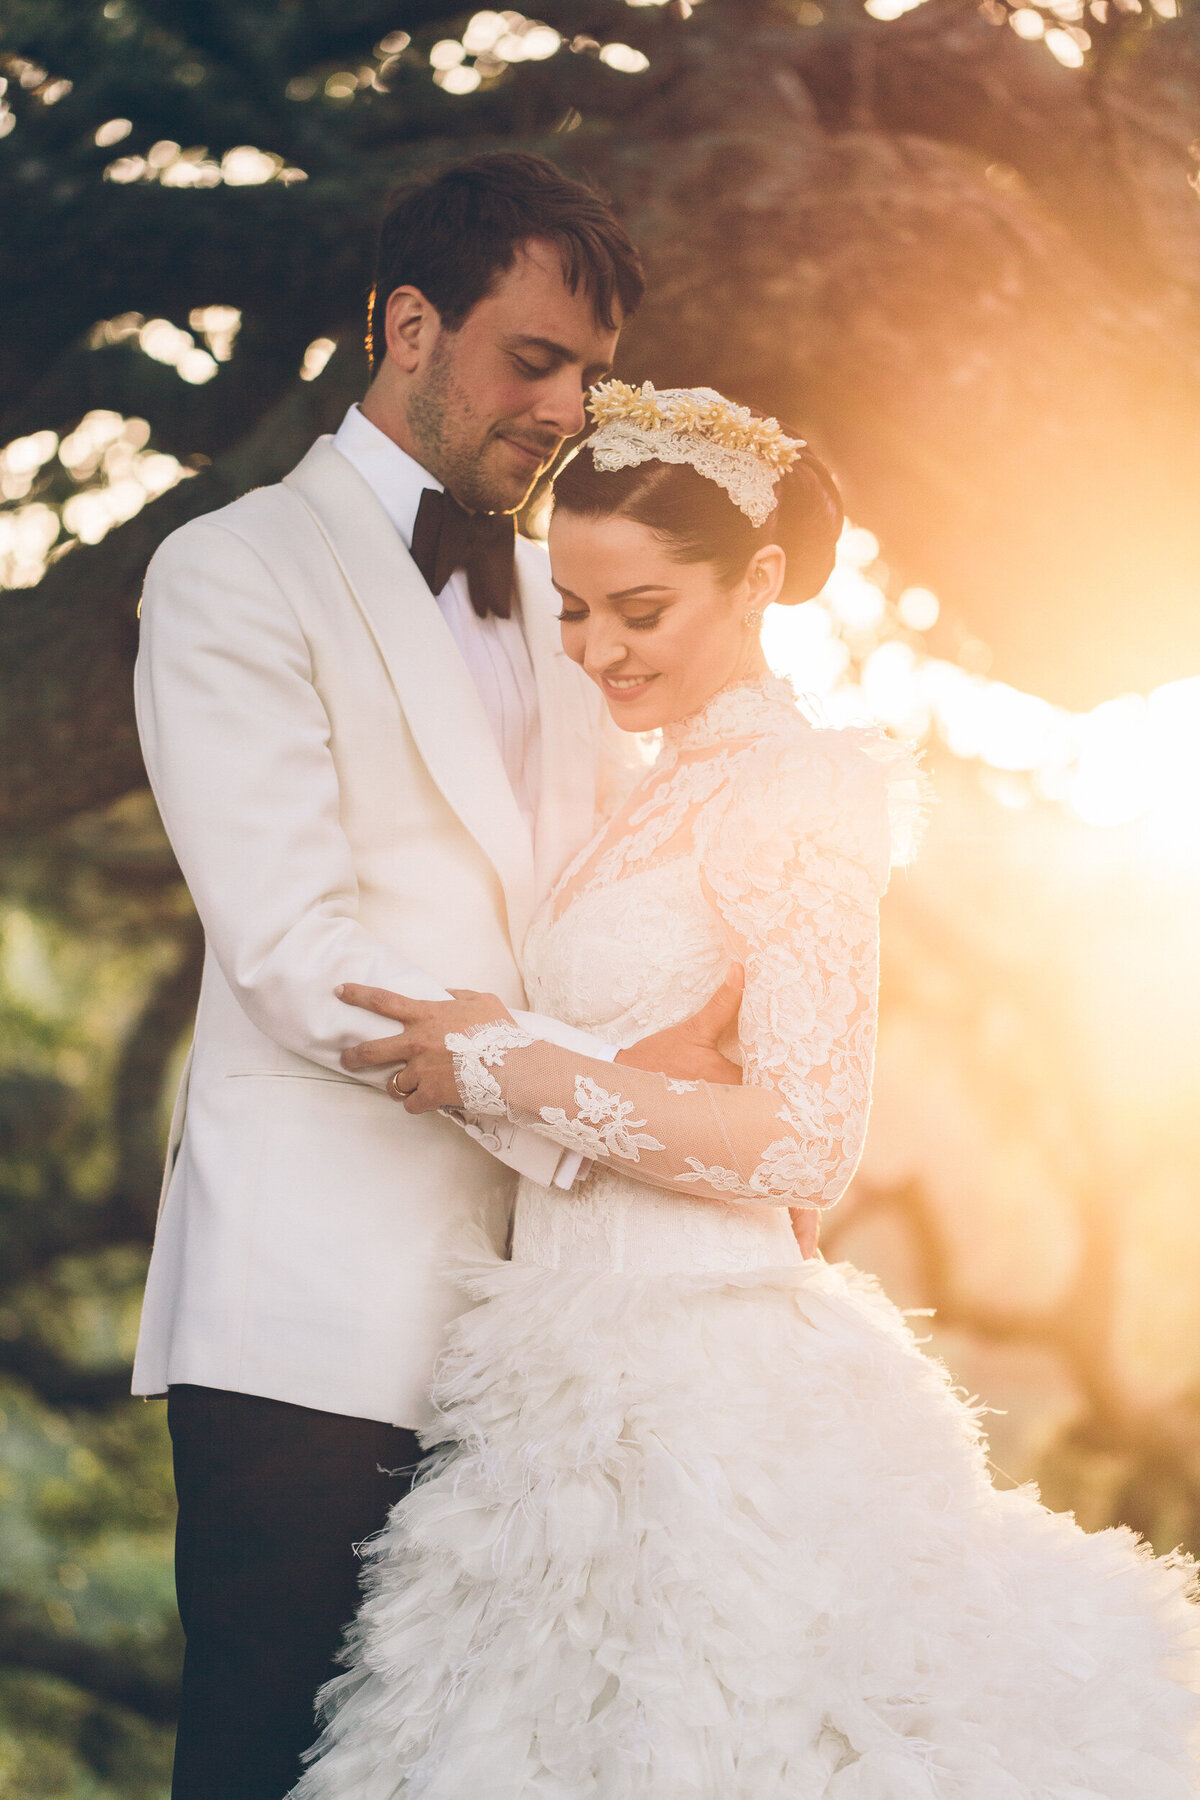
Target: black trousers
pixel 273 1500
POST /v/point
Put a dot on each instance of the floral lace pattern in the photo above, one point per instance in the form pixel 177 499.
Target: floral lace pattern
pixel 475 1053
pixel 655 828
pixel 755 836
pixel 602 1126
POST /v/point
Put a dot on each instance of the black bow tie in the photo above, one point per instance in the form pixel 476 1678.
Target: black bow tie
pixel 447 537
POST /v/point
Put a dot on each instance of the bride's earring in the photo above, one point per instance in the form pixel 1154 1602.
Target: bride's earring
pixel 753 618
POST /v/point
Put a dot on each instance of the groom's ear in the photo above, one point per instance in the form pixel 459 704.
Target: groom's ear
pixel 411 327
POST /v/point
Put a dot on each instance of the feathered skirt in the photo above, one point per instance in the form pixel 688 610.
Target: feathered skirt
pixel 712 1538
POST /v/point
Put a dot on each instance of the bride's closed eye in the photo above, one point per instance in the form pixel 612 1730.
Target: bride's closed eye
pixel 645 624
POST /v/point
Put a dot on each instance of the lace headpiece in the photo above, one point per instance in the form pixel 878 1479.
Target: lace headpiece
pixel 744 455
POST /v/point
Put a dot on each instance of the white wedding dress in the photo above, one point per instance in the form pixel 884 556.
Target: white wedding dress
pixel 707 1524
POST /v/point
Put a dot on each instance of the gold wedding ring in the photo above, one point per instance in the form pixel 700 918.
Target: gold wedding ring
pixel 393 1078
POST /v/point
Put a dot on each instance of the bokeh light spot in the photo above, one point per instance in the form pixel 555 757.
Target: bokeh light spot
pixel 458 81
pixel 245 166
pixel 316 357
pixel 624 58
pixel 114 473
pixel 918 608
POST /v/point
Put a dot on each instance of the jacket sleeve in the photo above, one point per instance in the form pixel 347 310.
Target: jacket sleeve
pixel 793 864
pixel 236 742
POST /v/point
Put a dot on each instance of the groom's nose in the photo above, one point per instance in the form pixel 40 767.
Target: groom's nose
pixel 560 403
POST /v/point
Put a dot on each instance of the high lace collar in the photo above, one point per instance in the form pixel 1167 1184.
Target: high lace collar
pixel 743 709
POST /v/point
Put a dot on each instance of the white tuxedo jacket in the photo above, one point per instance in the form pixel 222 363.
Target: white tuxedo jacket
pixel 340 810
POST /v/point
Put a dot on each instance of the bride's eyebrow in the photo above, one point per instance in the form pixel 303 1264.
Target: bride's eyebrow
pixel 633 593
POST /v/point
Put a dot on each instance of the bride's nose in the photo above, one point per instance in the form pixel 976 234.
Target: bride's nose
pixel 606 648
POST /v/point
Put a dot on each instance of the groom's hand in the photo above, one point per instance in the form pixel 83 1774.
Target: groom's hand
pixel 424 1078
pixel 688 1051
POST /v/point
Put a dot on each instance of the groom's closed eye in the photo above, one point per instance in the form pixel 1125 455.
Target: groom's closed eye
pixel 535 358
pixel 531 371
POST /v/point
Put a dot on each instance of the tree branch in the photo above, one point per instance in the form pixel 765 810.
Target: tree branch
pixel 108 1672
pixel 68 741
pixel 58 1382
pixel 57 1221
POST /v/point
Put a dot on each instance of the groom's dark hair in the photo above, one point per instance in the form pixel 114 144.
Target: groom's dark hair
pixel 454 234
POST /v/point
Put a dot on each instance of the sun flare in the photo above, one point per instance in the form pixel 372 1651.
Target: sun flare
pixel 857 656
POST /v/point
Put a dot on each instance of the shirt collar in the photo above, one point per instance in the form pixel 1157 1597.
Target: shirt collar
pixel 395 478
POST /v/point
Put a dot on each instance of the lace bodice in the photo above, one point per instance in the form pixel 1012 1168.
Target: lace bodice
pixel 755 837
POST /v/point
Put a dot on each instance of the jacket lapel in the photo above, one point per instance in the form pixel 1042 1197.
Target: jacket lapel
pixel 567 712
pixel 434 686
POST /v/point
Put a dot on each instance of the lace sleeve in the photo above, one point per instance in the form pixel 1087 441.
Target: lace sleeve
pixel 793 863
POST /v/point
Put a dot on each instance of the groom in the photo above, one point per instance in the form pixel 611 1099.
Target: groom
pixel 372 760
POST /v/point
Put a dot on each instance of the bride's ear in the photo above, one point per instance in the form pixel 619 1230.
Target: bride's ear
pixel 763 581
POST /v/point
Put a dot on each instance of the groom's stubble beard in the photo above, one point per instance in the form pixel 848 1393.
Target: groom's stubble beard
pixel 452 440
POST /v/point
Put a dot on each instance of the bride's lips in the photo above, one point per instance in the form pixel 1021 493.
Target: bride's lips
pixel 625 689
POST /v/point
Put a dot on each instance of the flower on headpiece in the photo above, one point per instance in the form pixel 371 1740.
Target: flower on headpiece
pixel 610 400
pixel 646 409
pixel 690 412
pixel 695 410
pixel 720 439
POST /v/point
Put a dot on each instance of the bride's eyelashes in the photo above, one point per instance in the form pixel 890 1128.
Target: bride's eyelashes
pixel 645 624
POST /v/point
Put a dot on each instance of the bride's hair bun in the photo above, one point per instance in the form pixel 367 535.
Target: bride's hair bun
pixel 700 523
pixel 807 525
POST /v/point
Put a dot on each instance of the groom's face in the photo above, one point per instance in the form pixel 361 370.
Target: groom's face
pixel 489 405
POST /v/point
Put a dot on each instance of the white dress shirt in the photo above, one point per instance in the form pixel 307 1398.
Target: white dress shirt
pixel 493 649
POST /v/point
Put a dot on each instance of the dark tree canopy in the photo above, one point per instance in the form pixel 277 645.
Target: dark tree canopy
pixel 972 274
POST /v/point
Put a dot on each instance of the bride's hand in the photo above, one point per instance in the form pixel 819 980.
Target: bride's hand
pixel 424 1080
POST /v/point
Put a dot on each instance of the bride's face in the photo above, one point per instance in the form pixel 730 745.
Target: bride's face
pixel 658 637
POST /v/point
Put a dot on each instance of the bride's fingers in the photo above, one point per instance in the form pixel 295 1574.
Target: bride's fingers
pixel 375 1052
pixel 720 1011
pixel 806 1227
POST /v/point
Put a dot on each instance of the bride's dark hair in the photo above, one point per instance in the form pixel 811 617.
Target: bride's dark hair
pixel 698 522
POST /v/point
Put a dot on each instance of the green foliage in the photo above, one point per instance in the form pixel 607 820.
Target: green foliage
pixel 56 1744
pixel 92 927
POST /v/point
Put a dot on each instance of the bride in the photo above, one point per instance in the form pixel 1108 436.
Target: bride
pixel 704 1523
